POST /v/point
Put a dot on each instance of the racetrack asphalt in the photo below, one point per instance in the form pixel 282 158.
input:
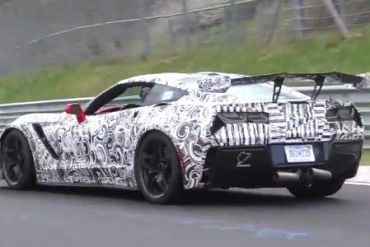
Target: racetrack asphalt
pixel 57 216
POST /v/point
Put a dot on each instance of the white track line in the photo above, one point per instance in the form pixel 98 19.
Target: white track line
pixel 358 183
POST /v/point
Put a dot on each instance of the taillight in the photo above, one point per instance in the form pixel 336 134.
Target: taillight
pixel 257 117
pixel 341 114
pixel 244 117
pixel 224 118
pixel 345 113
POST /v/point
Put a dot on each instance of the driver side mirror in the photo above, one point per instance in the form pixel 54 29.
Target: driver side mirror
pixel 76 110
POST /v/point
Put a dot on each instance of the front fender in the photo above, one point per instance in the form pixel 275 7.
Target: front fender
pixel 24 124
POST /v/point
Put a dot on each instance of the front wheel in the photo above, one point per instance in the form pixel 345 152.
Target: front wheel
pixel 317 190
pixel 157 169
pixel 18 167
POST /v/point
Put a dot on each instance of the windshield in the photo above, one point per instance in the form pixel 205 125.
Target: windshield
pixel 263 92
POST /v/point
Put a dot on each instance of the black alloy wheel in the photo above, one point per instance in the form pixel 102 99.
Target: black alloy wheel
pixel 17 161
pixel 157 169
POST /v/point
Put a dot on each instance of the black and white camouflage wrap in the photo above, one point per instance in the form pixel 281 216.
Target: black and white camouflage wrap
pixel 101 150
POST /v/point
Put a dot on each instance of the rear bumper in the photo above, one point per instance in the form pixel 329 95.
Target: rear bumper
pixel 255 166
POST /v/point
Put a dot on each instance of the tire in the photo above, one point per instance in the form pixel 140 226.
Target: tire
pixel 317 190
pixel 18 168
pixel 157 169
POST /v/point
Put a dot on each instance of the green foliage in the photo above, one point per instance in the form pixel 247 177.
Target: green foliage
pixel 326 53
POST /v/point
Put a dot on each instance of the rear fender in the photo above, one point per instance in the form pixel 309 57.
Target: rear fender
pixel 189 133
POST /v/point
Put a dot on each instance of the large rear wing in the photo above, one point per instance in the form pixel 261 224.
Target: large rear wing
pixel 358 81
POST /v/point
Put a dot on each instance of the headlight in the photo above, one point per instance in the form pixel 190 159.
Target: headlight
pixel 341 114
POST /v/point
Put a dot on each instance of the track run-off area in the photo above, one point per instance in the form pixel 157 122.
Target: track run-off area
pixel 59 216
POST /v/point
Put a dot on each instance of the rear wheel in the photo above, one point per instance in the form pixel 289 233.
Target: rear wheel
pixel 157 169
pixel 317 190
pixel 18 168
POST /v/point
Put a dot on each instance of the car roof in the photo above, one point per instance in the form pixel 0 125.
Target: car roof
pixel 201 81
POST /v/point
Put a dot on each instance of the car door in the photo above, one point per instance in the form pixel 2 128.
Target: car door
pixel 93 151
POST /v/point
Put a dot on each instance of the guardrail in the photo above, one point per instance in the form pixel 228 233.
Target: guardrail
pixel 9 112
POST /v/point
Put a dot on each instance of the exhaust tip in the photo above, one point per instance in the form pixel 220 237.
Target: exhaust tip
pixel 319 174
pixel 286 177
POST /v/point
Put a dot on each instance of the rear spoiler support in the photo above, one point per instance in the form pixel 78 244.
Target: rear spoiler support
pixel 278 83
pixel 319 82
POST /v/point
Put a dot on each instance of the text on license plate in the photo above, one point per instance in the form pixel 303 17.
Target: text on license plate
pixel 299 153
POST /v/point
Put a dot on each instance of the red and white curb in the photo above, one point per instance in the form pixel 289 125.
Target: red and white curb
pixel 362 177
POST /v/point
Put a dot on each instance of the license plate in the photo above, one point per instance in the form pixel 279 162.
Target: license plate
pixel 299 153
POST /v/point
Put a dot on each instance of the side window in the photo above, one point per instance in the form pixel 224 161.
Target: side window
pixel 117 98
pixel 121 97
pixel 160 93
pixel 130 96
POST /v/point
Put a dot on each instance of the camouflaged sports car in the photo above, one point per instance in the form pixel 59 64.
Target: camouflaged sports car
pixel 191 131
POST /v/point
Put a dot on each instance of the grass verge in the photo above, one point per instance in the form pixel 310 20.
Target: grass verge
pixel 324 53
pixel 365 160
